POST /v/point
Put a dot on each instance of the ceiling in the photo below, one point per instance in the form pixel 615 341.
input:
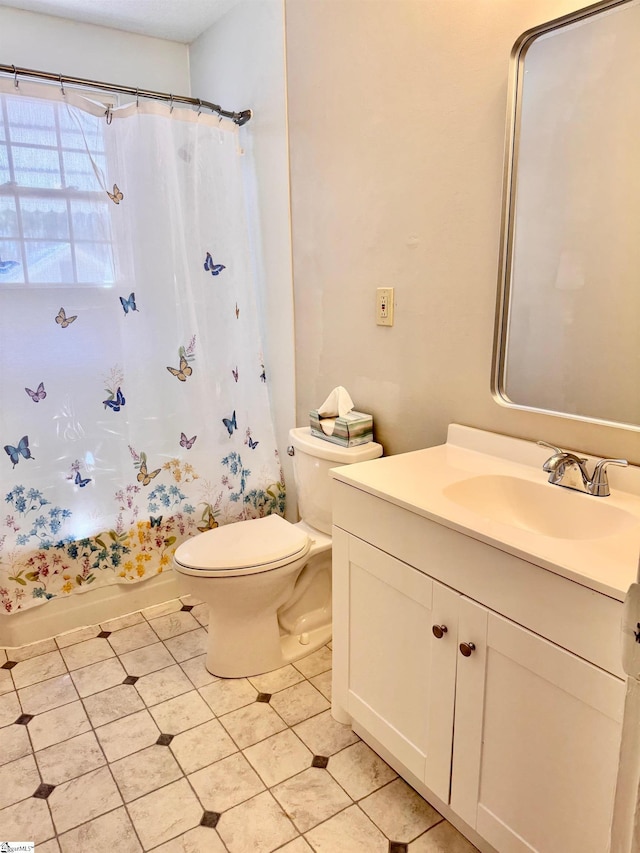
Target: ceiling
pixel 176 20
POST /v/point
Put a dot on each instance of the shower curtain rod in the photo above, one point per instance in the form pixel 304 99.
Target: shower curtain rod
pixel 239 118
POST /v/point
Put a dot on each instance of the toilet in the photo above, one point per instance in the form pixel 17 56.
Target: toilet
pixel 267 581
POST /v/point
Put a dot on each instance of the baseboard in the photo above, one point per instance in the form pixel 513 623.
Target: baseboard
pixel 87 608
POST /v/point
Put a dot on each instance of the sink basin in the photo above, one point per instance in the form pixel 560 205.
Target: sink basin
pixel 539 507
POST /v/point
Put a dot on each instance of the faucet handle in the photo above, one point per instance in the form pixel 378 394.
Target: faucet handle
pixel 550 446
pixel 599 482
pixel 559 456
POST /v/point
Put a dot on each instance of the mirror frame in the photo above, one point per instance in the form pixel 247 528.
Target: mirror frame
pixel 512 139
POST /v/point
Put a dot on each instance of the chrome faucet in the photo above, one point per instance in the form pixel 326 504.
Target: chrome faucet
pixel 570 471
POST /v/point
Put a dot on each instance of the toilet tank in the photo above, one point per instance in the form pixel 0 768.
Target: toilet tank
pixel 313 458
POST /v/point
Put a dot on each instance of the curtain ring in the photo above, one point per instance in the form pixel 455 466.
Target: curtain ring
pixel 137 98
pixel 108 115
pixel 15 77
pixel 64 94
pixel 170 104
pixel 199 106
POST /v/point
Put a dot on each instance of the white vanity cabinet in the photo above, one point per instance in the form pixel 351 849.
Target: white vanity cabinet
pixel 517 742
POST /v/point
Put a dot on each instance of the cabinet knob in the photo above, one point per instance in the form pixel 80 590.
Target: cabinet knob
pixel 439 631
pixel 467 648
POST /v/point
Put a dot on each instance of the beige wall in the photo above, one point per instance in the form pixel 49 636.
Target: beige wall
pixel 397 114
pixel 31 40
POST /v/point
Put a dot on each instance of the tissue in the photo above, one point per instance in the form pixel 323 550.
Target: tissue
pixel 337 405
pixel 337 421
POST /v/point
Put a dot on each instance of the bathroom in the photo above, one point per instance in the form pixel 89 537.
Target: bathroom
pixel 378 139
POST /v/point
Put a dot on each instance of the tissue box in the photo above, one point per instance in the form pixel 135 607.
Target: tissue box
pixel 352 429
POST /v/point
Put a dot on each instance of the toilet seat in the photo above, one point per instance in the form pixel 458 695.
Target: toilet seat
pixel 244 548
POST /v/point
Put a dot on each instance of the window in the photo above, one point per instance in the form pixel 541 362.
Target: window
pixel 54 215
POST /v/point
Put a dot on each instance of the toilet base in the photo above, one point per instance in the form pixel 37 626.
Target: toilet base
pixel 293 649
pixel 288 649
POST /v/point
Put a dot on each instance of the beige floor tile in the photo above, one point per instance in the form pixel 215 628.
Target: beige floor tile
pixel 259 826
pixel 165 813
pixel 182 713
pixel 88 652
pixel 443 838
pixel 79 635
pixel 197 672
pixel 315 663
pixel 46 695
pixel 9 709
pixel 188 645
pixel 399 811
pixel 191 600
pixel 162 609
pixel 14 743
pixel 32 650
pixel 112 704
pixel 6 682
pixel 226 783
pixel 298 703
pixel 37 669
pixel 174 624
pixel 201 839
pixel 298 845
pixel 324 735
pixel 201 746
pixel 71 758
pixel 323 683
pixel 144 771
pixel 50 846
pixel 83 799
pixel 98 676
pixel 127 735
pixel 228 694
pixel 18 780
pixel 112 831
pixel 147 659
pixel 350 831
pixel 58 724
pixel 131 638
pixel 201 613
pixel 271 682
pixel 29 820
pixel 252 723
pixel 163 684
pixel 278 757
pixel 311 797
pixel 359 770
pixel 125 621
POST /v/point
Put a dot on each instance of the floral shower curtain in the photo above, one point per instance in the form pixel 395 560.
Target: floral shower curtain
pixel 134 406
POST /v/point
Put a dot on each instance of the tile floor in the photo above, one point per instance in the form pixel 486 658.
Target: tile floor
pixel 115 737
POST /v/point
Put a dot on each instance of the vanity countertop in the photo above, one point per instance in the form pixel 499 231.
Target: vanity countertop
pixel 436 483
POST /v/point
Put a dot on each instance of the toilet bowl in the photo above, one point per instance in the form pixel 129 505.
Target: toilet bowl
pixel 267 582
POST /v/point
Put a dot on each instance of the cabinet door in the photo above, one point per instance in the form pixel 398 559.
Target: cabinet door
pixel 391 687
pixel 537 733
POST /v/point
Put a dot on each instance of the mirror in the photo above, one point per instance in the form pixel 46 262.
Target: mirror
pixel 568 318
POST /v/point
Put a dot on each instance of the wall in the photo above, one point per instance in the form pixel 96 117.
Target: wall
pixel 397 118
pixel 240 63
pixel 45 43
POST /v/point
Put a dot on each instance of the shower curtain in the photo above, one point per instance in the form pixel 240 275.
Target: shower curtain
pixel 134 405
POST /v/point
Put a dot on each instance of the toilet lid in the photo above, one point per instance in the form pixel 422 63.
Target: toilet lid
pixel 246 547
